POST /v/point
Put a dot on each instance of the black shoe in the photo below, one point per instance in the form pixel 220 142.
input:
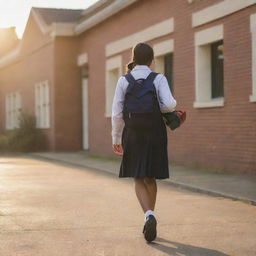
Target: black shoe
pixel 149 229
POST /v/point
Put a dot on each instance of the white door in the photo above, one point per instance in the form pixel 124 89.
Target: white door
pixel 85 113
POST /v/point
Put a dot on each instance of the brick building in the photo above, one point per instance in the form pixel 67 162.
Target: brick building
pixel 66 66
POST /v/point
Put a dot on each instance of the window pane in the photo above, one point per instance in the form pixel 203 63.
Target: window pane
pixel 217 58
pixel 168 70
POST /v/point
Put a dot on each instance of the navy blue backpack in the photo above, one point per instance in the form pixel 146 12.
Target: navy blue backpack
pixel 141 108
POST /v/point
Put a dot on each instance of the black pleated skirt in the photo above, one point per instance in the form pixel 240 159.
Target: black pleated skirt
pixel 145 152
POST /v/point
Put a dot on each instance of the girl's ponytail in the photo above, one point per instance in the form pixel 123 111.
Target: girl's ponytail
pixel 130 66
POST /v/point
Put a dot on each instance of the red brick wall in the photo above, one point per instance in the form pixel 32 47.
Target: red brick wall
pixel 219 138
pixel 68 98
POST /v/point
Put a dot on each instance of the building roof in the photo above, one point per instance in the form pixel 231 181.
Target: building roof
pixel 96 7
pixel 99 12
pixel 68 22
pixel 51 15
pixel 81 20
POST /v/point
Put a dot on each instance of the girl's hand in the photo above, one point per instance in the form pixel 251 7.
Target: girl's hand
pixel 117 148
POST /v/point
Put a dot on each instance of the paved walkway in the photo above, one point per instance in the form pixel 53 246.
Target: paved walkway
pixel 49 208
pixel 237 187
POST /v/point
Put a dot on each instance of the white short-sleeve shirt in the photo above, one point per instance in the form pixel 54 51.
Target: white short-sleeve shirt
pixel 166 100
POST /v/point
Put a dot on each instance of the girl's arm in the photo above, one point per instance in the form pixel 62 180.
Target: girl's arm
pixel 117 115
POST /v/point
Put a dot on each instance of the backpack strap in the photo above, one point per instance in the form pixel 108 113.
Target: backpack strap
pixel 151 77
pixel 131 80
pixel 148 84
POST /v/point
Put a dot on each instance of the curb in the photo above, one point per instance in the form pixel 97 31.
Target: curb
pixel 170 182
pixel 210 192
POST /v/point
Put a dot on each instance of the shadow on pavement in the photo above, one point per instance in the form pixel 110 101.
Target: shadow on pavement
pixel 177 249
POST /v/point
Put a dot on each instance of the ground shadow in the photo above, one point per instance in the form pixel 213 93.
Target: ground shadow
pixel 177 249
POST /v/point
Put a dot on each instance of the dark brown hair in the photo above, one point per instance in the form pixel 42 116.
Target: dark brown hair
pixel 142 54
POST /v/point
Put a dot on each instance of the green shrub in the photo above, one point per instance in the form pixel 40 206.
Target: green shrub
pixel 26 138
pixel 3 143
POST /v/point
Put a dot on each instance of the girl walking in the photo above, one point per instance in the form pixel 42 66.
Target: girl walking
pixel 139 132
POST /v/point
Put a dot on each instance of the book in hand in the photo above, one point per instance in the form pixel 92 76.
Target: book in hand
pixel 174 119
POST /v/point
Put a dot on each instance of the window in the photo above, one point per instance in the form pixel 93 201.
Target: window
pixel 209 71
pixel 164 60
pixel 168 70
pixel 12 110
pixel 42 105
pixel 113 72
pixel 253 33
pixel 217 69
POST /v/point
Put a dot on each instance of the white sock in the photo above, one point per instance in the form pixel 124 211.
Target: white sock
pixel 147 213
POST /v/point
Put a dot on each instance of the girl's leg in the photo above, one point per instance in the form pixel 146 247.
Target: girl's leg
pixel 142 194
pixel 146 190
pixel 152 191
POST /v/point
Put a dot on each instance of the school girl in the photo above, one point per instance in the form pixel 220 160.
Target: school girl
pixel 144 151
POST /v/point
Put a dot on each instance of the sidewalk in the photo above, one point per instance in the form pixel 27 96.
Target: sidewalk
pixel 236 187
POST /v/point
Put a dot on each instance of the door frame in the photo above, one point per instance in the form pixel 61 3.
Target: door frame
pixel 85 114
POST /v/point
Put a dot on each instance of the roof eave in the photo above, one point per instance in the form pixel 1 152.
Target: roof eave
pixel 102 15
pixel 94 7
pixel 45 29
pixel 63 29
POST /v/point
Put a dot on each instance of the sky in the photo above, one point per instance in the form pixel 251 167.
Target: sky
pixel 16 12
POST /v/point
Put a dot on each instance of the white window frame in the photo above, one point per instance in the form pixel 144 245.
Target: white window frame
pixel 110 85
pixel 202 41
pixel 12 110
pixel 219 10
pixel 42 104
pixel 149 33
pixel 160 50
pixel 252 97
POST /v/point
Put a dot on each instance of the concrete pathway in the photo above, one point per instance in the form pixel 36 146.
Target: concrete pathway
pixel 55 209
pixel 237 187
